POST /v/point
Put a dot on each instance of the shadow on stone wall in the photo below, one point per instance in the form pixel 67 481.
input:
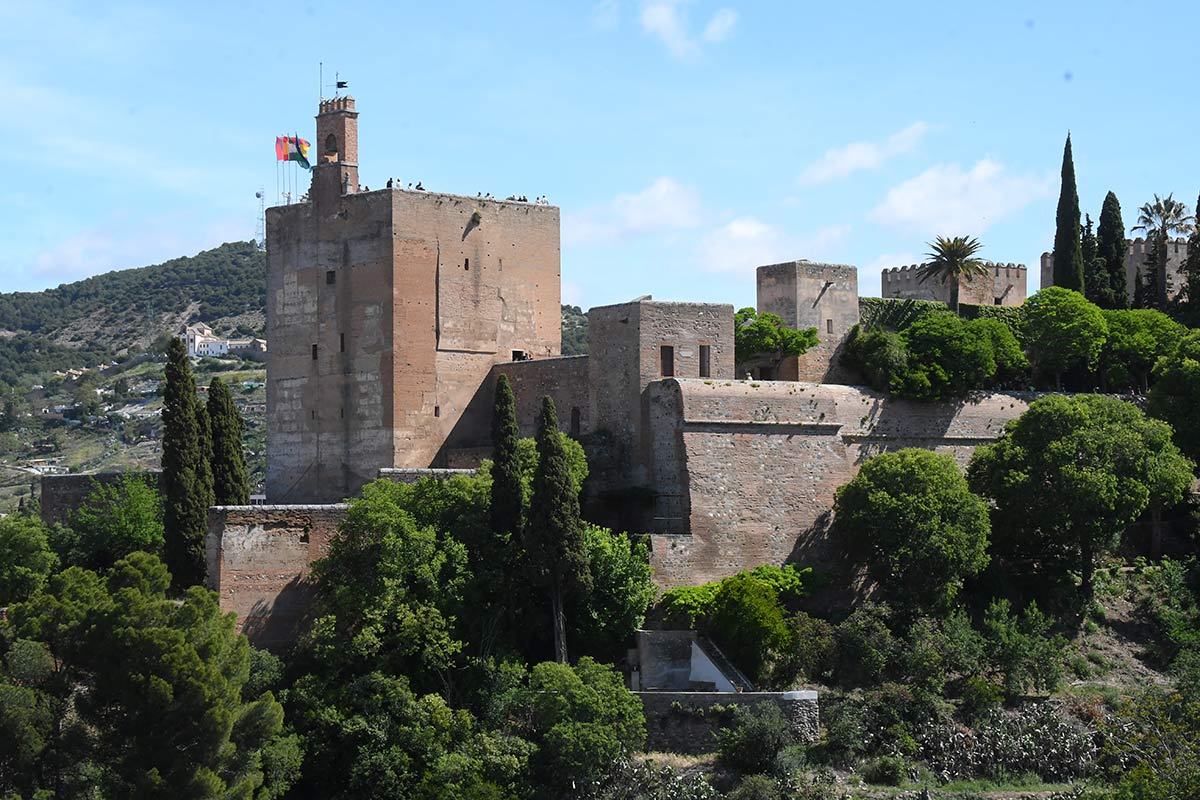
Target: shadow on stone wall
pixel 277 625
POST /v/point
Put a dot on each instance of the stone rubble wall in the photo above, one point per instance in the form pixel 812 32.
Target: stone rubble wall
pixel 687 722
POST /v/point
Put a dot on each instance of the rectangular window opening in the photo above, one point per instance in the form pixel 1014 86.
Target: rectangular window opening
pixel 666 356
pixel 437 411
pixel 705 361
pixel 466 263
pixel 999 301
pixel 314 352
pixel 342 341
pixel 520 355
pixel 330 277
pixel 829 326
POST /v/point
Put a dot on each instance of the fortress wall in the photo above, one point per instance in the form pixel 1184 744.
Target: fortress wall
pixel 564 379
pixel 62 494
pixel 1005 281
pixel 762 463
pixel 1136 253
pixel 259 558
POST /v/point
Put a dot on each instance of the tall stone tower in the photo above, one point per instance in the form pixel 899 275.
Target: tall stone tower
pixel 385 312
pixel 807 294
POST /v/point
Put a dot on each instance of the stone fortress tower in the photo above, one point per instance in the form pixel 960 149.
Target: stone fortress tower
pixel 1004 286
pixel 386 310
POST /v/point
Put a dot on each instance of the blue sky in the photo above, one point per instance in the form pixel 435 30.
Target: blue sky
pixel 686 142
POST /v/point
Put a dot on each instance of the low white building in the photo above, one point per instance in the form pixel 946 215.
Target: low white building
pixel 202 341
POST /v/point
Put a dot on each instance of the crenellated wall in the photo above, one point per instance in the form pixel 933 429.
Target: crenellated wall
pixel 1136 253
pixel 1005 285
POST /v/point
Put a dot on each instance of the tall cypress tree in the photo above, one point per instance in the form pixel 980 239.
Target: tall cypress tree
pixel 1068 248
pixel 553 534
pixel 231 487
pixel 507 492
pixel 1191 266
pixel 187 481
pixel 1095 272
pixel 1111 246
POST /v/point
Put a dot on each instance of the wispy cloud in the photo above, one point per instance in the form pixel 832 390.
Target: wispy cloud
pixel 839 162
pixel 947 200
pixel 744 243
pixel 666 20
pixel 122 243
pixel 665 205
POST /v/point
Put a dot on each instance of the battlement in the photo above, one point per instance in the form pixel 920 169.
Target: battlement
pixel 336 104
pixel 908 269
pixel 1139 246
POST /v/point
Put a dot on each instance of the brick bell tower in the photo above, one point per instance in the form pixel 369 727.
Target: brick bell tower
pixel 335 169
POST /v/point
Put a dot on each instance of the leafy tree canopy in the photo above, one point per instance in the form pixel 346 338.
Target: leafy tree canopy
pixel 26 559
pixel 1070 474
pixel 767 335
pixel 1063 330
pixel 1176 393
pixel 115 520
pixel 910 517
pixel 155 687
pixel 1137 339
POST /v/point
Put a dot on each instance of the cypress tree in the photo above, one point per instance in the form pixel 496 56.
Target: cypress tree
pixel 553 534
pixel 1191 267
pixel 187 481
pixel 1095 271
pixel 1068 248
pixel 1111 246
pixel 230 485
pixel 507 492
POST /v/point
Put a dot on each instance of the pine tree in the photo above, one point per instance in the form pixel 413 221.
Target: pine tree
pixel 187 481
pixel 507 491
pixel 1068 248
pixel 230 484
pixel 553 534
pixel 1191 266
pixel 1111 245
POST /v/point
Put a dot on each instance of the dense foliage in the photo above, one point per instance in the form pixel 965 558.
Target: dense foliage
pixel 1176 393
pixel 574 331
pixel 1070 475
pixel 115 688
pixel 1068 247
pixel 910 517
pixel 767 336
pixel 228 459
pixel 116 519
pixel 186 474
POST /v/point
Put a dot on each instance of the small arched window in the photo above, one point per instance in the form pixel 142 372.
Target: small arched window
pixel 331 147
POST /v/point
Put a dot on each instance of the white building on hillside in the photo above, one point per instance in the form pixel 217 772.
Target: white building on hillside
pixel 201 341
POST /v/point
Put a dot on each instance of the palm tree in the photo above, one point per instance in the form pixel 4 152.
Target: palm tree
pixel 953 259
pixel 1162 219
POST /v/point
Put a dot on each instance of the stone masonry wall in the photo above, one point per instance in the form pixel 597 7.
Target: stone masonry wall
pixel 1006 282
pixel 761 461
pixel 686 722
pixel 1136 253
pixel 62 494
pixel 259 558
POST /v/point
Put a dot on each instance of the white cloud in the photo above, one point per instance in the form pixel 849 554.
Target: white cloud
pixel 126 243
pixel 720 26
pixel 666 20
pixel 665 205
pixel 838 162
pixel 945 200
pixel 746 242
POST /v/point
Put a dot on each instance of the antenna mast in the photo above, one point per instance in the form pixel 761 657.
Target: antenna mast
pixel 260 230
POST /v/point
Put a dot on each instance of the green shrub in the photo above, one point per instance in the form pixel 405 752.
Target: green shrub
pixel 757 735
pixel 756 787
pixel 632 779
pixel 980 697
pixel 865 646
pixel 885 771
pixel 813 653
pixel 1022 651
